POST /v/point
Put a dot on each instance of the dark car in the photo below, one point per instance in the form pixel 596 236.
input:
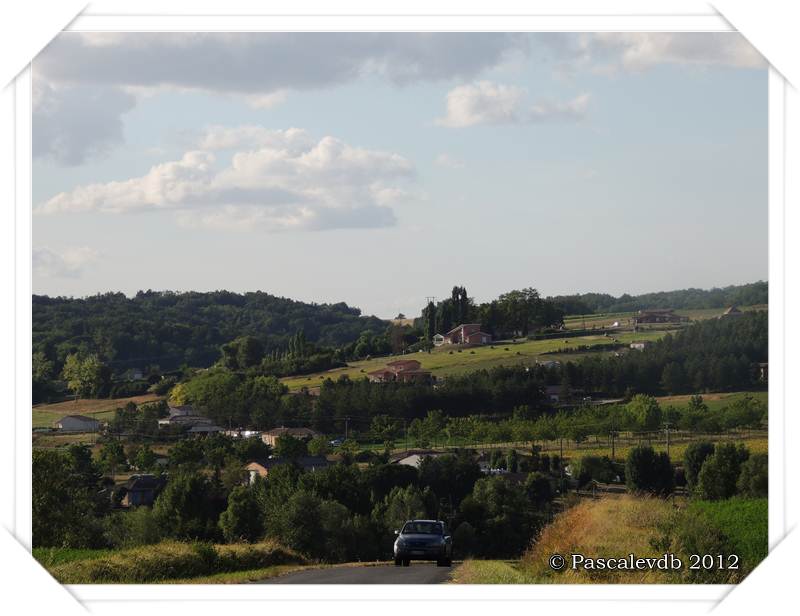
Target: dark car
pixel 423 540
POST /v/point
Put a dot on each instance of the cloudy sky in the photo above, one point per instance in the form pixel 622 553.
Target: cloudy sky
pixel 379 169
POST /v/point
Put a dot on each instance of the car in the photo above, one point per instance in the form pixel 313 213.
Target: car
pixel 423 540
pixel 337 442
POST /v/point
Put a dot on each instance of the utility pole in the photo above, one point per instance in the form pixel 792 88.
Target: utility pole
pixel 666 429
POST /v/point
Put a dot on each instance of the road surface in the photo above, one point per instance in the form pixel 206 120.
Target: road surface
pixel 417 573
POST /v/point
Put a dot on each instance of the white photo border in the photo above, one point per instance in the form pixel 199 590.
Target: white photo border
pixel 113 594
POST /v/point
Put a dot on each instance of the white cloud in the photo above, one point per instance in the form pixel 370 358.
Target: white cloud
pixel 70 263
pixel 280 180
pixel 485 102
pixel 608 52
pixel 447 161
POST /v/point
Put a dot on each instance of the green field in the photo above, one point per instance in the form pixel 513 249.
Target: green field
pixel 605 320
pixel 449 360
pixel 44 415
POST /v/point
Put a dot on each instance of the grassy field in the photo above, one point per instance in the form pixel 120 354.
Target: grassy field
pixel 615 526
pixel 446 361
pixel 44 415
pixel 607 319
pixel 714 401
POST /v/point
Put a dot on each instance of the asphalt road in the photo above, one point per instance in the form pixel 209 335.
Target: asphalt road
pixel 417 573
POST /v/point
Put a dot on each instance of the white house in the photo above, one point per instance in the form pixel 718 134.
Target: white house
pixel 77 423
pixel 640 346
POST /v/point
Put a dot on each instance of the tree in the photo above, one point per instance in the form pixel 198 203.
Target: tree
pixel 693 458
pixel 319 446
pixel 720 472
pixel 242 353
pixel 753 479
pixel 403 504
pixel 112 456
pixel 649 472
pixel 242 521
pixel 145 459
pixel 189 507
pixel 646 411
pixel 83 374
pixel 66 501
pixel 539 489
pixel 287 446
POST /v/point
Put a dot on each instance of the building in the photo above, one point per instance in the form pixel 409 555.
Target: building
pixel 77 423
pixel 641 345
pixel 438 340
pixel 262 467
pixel 181 410
pixel 141 490
pixel 414 457
pixel 732 311
pixel 271 436
pixel 400 371
pixel 467 333
pixel 658 315
pixel 240 433
pixel 187 421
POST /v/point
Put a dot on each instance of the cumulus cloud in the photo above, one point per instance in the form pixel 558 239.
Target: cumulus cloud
pixel 88 80
pixel 69 263
pixel 73 123
pixel 282 180
pixel 485 102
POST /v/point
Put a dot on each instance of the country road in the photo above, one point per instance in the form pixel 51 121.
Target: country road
pixel 417 573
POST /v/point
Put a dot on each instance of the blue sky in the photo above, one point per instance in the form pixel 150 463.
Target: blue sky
pixel 571 163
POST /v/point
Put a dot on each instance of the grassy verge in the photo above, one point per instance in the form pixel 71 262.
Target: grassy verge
pixel 171 560
pixel 490 572
pixel 240 577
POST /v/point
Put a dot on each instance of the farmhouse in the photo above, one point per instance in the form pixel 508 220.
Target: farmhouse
pixel 641 345
pixel 262 467
pixel 271 436
pixel 77 423
pixel 732 311
pixel 658 315
pixel 401 371
pixel 141 490
pixel 467 333
pixel 414 457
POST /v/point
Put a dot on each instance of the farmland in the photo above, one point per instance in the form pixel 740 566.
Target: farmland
pixel 101 409
pixel 447 360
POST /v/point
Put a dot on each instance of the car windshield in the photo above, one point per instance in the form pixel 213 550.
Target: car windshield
pixel 422 528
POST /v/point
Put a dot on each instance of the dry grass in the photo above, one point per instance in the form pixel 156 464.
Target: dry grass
pixel 45 414
pixel 609 527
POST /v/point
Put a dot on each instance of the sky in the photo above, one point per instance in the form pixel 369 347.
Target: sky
pixel 379 169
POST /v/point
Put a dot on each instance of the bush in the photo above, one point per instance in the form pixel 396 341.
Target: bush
pixel 649 472
pixel 754 477
pixel 594 468
pixel 241 521
pixel 693 458
pixel 172 560
pixel 720 472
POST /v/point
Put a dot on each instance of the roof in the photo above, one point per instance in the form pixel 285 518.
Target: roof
pixel 302 461
pixel 402 362
pixel 457 327
pixel 291 431
pixel 143 482
pixel 732 310
pixel 205 428
pixel 79 417
pixel 657 311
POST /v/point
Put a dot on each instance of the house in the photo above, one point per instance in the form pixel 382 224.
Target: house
pixel 414 457
pixel 467 333
pixel 401 371
pixel 240 433
pixel 438 340
pixel 271 436
pixel 732 311
pixel 141 490
pixel 77 423
pixel 262 467
pixel 658 315
pixel 187 421
pixel 641 345
pixel 181 410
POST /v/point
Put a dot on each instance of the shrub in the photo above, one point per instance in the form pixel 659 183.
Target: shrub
pixel 754 477
pixel 720 472
pixel 649 472
pixel 172 560
pixel 693 458
pixel 241 521
pixel 594 468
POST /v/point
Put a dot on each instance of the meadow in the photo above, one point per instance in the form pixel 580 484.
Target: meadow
pixel 44 415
